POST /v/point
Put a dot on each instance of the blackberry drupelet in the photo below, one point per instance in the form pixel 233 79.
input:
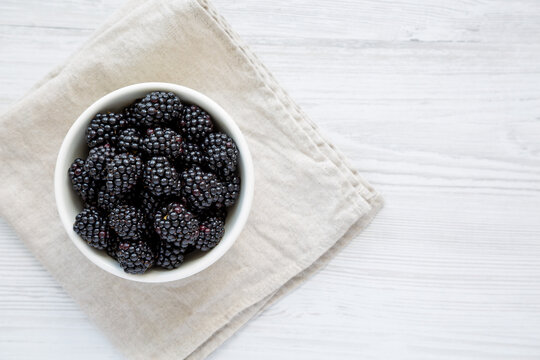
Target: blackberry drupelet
pixel 128 222
pixel 158 107
pixel 221 153
pixel 232 189
pixel 129 140
pixel 104 128
pixel 135 257
pixel 170 256
pixel 98 159
pixel 92 227
pixel 176 225
pixel 82 182
pixel 195 123
pixel 191 153
pixel 160 177
pixel 202 189
pixel 123 172
pixel 210 233
pixel 162 141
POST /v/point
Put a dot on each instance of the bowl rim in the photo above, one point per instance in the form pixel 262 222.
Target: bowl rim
pixel 243 205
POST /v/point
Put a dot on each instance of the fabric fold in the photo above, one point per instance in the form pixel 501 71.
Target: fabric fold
pixel 308 201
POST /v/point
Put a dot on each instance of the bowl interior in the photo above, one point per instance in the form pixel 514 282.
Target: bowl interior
pixel 74 145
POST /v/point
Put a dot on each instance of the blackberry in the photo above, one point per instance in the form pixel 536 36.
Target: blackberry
pixel 135 257
pixel 195 123
pixel 202 189
pixel 191 153
pixel 128 222
pixel 92 227
pixel 221 153
pixel 158 107
pixel 104 128
pixel 98 159
pixel 232 189
pixel 123 172
pixel 170 256
pixel 162 141
pixel 107 201
pixel 160 177
pixel 176 225
pixel 210 233
pixel 82 183
pixel 129 140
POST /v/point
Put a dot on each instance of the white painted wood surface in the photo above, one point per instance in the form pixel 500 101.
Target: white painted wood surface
pixel 436 102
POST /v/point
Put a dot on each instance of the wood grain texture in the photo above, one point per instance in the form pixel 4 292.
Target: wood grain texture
pixel 436 102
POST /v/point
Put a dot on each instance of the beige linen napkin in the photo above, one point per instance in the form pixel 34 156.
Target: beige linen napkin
pixel 308 201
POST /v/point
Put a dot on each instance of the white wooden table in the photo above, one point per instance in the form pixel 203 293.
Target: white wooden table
pixel 436 102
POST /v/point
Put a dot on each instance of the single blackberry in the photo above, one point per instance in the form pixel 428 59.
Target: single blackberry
pixel 129 140
pixel 210 233
pixel 158 107
pixel 176 225
pixel 104 128
pixel 106 201
pixel 135 257
pixel 195 123
pixel 160 177
pixel 82 182
pixel 191 153
pixel 170 256
pixel 98 159
pixel 162 141
pixel 221 153
pixel 123 172
pixel 92 227
pixel 232 189
pixel 202 189
pixel 128 222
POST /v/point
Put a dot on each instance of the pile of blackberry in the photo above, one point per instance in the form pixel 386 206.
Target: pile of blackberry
pixel 156 184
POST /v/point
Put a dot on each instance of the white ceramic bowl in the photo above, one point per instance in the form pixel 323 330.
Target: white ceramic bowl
pixel 74 145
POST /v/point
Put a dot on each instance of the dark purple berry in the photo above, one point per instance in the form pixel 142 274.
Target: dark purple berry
pixel 162 141
pixel 195 123
pixel 135 257
pixel 176 225
pixel 210 233
pixel 82 182
pixel 92 227
pixel 123 172
pixel 221 153
pixel 156 108
pixel 104 128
